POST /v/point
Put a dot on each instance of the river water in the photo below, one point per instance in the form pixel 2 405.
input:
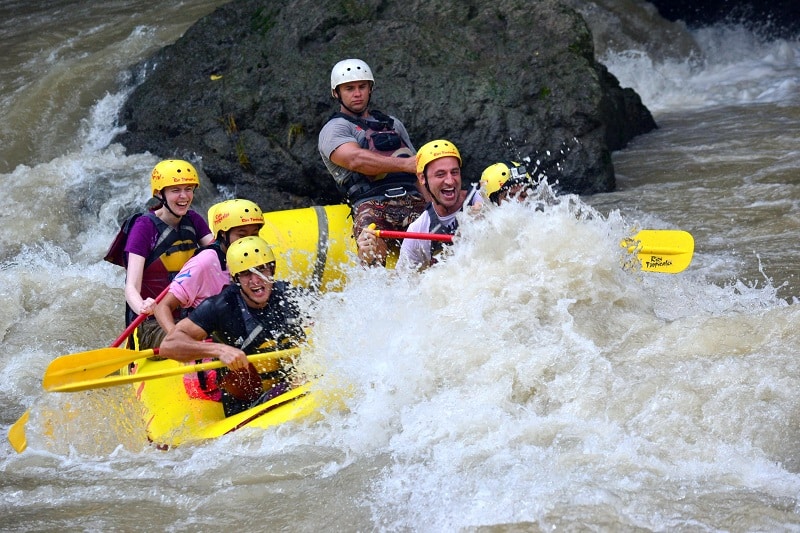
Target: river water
pixel 527 383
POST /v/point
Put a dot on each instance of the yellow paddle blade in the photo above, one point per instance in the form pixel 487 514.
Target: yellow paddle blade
pixel 16 433
pixel 93 364
pixel 667 251
pixel 75 385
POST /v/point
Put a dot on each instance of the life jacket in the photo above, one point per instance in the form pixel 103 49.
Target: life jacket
pixel 203 384
pixel 273 329
pixel 381 138
pixel 438 227
pixel 258 336
pixel 173 248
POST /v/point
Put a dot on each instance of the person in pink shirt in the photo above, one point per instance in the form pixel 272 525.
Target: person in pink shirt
pixel 206 273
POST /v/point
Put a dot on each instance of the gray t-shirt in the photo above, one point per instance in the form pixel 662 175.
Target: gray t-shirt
pixel 339 131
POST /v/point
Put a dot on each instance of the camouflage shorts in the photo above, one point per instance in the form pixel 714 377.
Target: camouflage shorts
pixel 392 214
pixel 150 334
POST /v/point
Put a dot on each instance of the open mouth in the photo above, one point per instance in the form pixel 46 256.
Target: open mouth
pixel 448 194
pixel 257 291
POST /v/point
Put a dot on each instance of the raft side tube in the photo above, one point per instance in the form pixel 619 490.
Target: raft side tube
pixel 313 246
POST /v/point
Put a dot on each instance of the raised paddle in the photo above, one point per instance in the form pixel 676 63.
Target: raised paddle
pixel 666 251
pixel 16 433
pixel 76 385
pixel 658 250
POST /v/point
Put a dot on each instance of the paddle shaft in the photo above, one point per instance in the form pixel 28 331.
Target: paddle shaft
pixel 138 320
pixel 389 234
pixel 113 381
pixel 666 251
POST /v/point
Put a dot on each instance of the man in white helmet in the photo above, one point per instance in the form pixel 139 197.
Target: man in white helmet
pixel 371 157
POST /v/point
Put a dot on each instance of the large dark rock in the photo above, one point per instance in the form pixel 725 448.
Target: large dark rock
pixel 246 90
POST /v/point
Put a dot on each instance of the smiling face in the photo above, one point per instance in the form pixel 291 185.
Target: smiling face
pixel 444 183
pixel 178 198
pixel 354 95
pixel 257 286
pixel 248 230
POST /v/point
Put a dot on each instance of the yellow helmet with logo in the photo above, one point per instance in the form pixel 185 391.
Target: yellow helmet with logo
pixel 435 150
pixel 247 253
pixel 233 213
pixel 495 176
pixel 172 172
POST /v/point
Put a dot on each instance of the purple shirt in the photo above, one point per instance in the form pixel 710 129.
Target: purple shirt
pixel 143 235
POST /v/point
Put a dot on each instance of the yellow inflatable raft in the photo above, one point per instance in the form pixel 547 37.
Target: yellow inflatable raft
pixel 314 248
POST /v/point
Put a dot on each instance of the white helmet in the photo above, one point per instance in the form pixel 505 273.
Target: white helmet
pixel 348 70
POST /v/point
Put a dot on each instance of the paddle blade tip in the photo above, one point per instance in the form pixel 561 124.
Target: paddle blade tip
pixel 16 433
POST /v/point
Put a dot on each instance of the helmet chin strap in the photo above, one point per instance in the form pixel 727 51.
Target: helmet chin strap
pixel 224 239
pixel 339 99
pixel 428 188
pixel 166 205
pixel 436 200
pixel 245 295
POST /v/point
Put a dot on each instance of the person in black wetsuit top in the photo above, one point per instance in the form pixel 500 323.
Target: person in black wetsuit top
pixel 255 314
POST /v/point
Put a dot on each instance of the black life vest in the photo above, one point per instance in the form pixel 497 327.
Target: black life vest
pixel 253 331
pixel 438 227
pixel 381 138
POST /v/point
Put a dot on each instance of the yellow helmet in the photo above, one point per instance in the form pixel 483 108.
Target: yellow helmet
pixel 173 172
pixel 435 150
pixel 247 253
pixel 233 213
pixel 495 176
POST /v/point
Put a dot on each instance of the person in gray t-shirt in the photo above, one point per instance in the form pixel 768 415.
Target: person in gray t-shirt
pixel 371 158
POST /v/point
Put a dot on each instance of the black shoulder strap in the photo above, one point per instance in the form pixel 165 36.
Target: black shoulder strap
pixel 166 236
pixel 383 122
pixel 220 254
pixel 436 225
pixel 389 121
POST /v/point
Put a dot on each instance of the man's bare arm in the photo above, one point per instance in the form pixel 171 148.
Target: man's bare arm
pixel 351 156
pixel 186 342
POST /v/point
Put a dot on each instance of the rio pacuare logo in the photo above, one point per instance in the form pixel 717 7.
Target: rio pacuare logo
pixel 657 261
